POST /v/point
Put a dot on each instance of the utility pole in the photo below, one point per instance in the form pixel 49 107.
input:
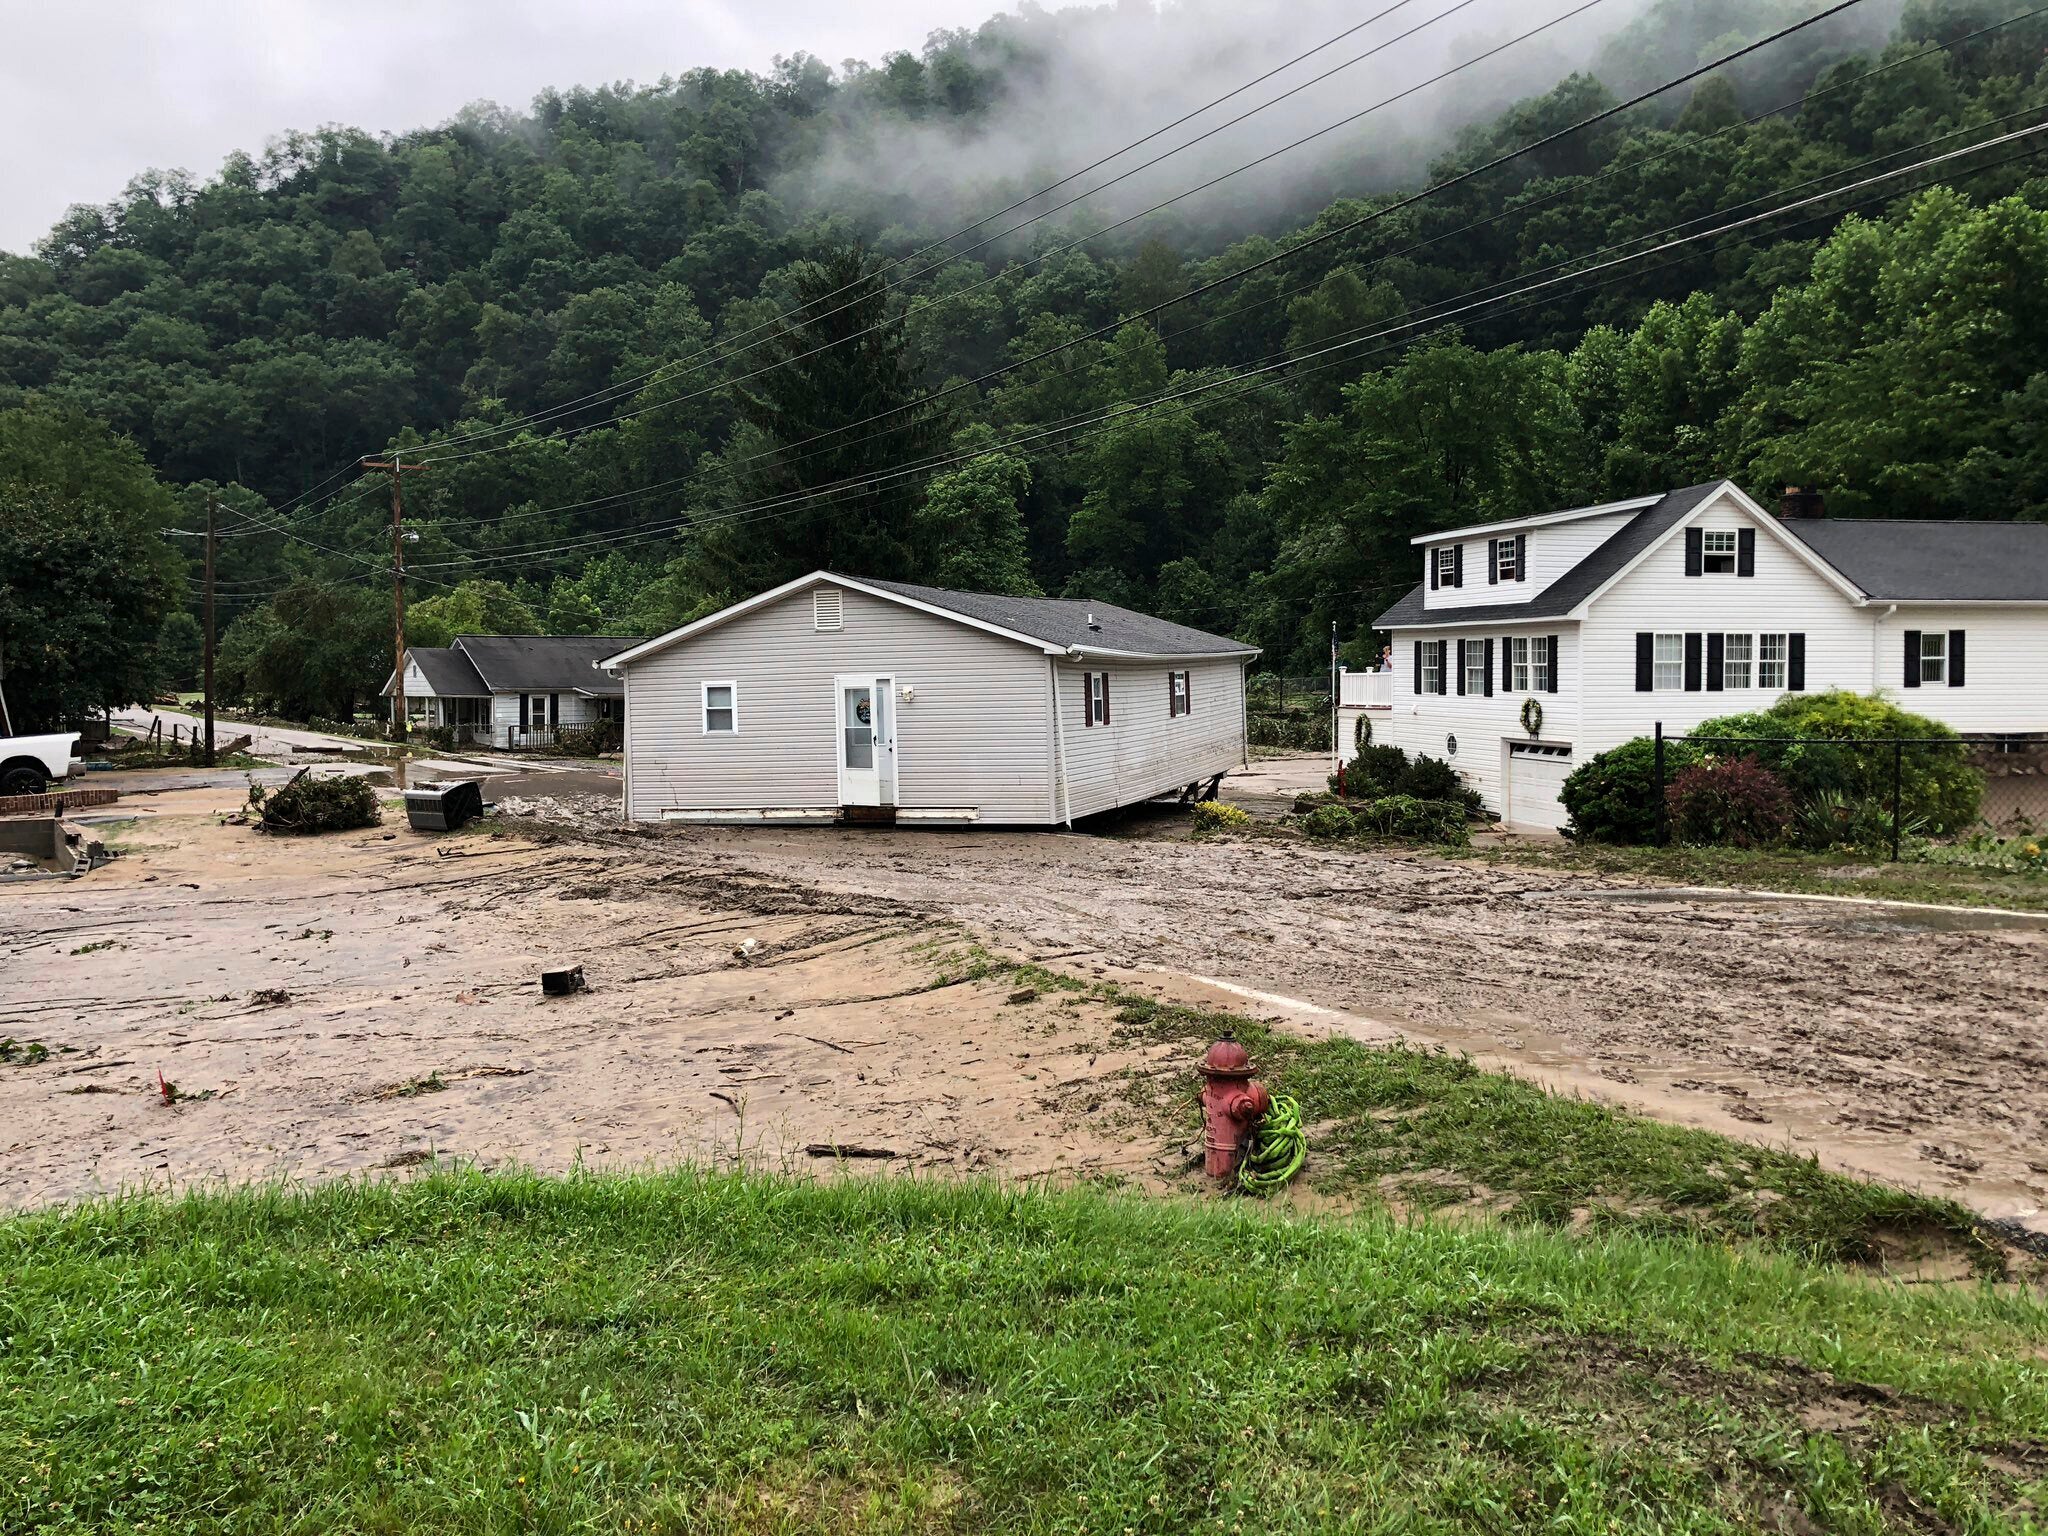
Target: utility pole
pixel 395 468
pixel 210 541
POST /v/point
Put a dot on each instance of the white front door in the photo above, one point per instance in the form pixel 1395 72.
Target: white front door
pixel 865 710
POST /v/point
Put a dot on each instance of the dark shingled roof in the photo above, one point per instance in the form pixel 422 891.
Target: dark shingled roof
pixel 1570 589
pixel 448 672
pixel 546 663
pixel 1063 621
pixel 1933 561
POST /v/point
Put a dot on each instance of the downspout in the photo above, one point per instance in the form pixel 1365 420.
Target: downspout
pixel 1244 712
pixel 1874 628
pixel 1063 802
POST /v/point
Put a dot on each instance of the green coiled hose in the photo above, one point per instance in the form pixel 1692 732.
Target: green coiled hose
pixel 1277 1149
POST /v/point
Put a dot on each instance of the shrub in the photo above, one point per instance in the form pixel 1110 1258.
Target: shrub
pixel 1429 821
pixel 1831 819
pixel 1289 732
pixel 1430 778
pixel 1329 823
pixel 306 805
pixel 1939 789
pixel 1214 816
pixel 1612 796
pixel 594 739
pixel 1374 772
pixel 1735 801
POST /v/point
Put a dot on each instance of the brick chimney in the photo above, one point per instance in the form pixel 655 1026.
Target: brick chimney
pixel 1800 503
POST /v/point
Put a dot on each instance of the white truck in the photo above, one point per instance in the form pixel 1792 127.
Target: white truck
pixel 29 765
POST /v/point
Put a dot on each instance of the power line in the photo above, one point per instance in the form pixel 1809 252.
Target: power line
pixel 778 505
pixel 1292 251
pixel 619 387
pixel 1519 210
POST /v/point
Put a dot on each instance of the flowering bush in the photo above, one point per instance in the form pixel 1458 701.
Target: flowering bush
pixel 1214 816
pixel 1735 801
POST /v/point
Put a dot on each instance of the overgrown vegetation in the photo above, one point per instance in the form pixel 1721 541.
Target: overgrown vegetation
pixel 687 1353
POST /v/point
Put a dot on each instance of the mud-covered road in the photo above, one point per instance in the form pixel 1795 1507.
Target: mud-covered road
pixel 1912 1047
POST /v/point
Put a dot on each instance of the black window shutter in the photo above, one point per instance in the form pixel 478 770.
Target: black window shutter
pixel 1493 562
pixel 1521 557
pixel 1795 662
pixel 1105 698
pixel 1912 658
pixel 1435 571
pixel 1955 658
pixel 1087 698
pixel 1461 666
pixel 1745 551
pixel 554 709
pixel 1692 661
pixel 1187 693
pixel 1552 645
pixel 1695 551
pixel 1646 661
pixel 1489 666
pixel 522 711
pixel 1418 665
pixel 1507 664
pixel 1443 666
pixel 1172 694
pixel 1458 566
pixel 1715 676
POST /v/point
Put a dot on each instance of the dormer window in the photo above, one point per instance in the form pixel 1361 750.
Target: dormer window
pixel 1504 567
pixel 1717 551
pixel 1448 566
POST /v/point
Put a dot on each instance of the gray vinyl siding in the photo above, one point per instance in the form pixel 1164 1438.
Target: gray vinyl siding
pixel 1144 751
pixel 976 733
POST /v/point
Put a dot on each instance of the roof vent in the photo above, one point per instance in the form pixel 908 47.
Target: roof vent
pixel 1799 503
pixel 1091 620
pixel 828 608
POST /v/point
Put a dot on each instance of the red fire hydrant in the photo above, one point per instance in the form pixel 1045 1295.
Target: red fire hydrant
pixel 1233 1102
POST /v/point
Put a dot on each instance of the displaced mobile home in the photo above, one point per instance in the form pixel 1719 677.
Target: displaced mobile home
pixel 510 690
pixel 839 698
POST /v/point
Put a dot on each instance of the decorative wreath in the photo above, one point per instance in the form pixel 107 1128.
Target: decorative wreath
pixel 1361 734
pixel 1532 717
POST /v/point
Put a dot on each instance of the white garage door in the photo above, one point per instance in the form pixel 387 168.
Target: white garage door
pixel 1536 772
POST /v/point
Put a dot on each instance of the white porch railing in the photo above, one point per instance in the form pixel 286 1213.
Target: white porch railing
pixel 1365 690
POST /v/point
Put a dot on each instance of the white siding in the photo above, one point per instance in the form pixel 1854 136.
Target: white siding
pixel 1144 750
pixel 2006 656
pixel 1553 549
pixel 976 733
pixel 1785 595
pixel 1484 726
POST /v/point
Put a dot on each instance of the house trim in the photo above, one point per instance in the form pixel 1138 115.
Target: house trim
pixel 1633 504
pixel 712 621
pixel 1798 546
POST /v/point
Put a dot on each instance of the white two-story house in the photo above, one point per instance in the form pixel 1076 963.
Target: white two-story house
pixel 1530 645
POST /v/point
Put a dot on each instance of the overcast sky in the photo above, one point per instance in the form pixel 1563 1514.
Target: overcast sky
pixel 93 91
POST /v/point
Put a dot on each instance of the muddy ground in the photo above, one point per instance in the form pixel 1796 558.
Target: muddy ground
pixel 366 1000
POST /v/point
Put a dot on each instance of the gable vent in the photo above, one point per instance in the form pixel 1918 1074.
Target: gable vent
pixel 828 608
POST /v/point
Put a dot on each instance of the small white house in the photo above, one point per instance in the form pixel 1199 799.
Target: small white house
pixel 510 690
pixel 835 698
pixel 1530 645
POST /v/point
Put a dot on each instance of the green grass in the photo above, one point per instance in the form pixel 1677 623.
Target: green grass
pixel 696 1353
pixel 1428 1130
pixel 1826 874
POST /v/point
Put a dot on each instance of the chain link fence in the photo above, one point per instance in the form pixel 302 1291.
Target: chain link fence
pixel 1288 713
pixel 1947 798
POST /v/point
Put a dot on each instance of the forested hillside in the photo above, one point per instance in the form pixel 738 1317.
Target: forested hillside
pixel 657 350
